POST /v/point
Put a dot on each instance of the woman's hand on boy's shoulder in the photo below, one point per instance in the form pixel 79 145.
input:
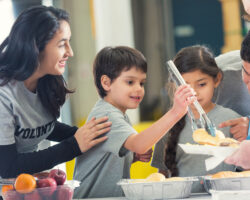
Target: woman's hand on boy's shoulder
pixel 89 134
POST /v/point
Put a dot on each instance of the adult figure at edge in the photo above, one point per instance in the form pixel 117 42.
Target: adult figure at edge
pixel 32 60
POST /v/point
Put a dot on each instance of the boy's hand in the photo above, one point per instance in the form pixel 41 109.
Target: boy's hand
pixel 87 135
pixel 143 157
pixel 239 127
pixel 184 96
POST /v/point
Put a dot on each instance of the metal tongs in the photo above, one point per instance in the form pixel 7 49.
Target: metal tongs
pixel 209 126
pixel 9 181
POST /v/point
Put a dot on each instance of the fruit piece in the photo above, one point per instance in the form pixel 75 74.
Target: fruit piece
pixel 59 176
pixel 49 186
pixel 41 175
pixel 6 188
pixel 25 183
pixel 33 196
pixel 64 193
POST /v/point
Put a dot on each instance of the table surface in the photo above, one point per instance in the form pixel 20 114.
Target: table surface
pixel 192 197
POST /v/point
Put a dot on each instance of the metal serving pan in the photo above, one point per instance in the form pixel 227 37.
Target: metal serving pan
pixel 139 189
pixel 219 184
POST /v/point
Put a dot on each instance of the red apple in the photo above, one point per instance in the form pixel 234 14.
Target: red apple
pixel 47 185
pixel 33 196
pixel 64 193
pixel 59 176
pixel 41 175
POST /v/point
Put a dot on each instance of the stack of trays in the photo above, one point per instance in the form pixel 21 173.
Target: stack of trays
pixel 139 189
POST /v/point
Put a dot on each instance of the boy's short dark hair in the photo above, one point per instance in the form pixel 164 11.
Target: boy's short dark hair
pixel 111 61
pixel 245 48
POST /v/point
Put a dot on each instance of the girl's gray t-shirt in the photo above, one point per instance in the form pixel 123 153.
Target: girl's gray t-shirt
pixel 190 164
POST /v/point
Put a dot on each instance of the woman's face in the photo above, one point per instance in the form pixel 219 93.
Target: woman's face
pixel 56 53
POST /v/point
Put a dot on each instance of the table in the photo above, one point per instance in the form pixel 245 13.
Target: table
pixel 192 197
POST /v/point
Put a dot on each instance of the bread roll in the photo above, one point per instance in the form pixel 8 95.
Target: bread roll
pixel 226 174
pixel 155 177
pixel 201 136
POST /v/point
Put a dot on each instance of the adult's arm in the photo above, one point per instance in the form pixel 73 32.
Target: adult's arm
pixel 61 132
pixel 13 163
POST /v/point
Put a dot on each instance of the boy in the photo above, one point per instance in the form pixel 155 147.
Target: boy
pixel 120 75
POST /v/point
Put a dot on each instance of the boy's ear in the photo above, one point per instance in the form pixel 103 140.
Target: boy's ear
pixel 218 80
pixel 106 82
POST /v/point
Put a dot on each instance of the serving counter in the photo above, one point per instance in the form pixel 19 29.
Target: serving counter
pixel 192 197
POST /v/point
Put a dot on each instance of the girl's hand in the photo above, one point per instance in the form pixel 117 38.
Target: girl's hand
pixel 87 135
pixel 143 157
pixel 184 96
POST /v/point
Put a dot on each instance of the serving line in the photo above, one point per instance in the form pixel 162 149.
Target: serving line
pixel 197 196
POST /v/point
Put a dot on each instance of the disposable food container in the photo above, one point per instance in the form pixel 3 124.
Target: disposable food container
pixel 222 184
pixel 61 192
pixel 139 189
pixel 231 195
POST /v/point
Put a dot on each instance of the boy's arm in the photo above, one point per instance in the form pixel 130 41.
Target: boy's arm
pixel 141 143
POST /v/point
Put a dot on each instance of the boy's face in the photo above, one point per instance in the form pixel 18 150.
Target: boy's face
pixel 127 90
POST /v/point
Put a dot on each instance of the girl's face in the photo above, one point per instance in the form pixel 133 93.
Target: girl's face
pixel 246 74
pixel 127 90
pixel 56 53
pixel 204 86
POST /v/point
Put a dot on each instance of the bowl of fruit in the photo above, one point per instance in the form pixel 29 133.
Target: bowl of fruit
pixel 50 185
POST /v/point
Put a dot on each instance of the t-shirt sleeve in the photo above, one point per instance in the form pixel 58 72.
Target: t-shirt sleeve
pixel 158 159
pixel 6 123
pixel 120 131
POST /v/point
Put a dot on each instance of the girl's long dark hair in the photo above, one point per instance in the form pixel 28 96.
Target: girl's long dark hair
pixel 19 53
pixel 187 60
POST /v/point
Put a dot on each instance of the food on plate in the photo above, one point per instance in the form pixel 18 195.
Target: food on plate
pixel 155 177
pixel 229 174
pixel 202 137
pixel 25 183
pixel 175 179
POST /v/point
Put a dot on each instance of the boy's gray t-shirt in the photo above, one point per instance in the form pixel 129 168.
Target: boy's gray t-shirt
pixel 100 168
pixel 189 164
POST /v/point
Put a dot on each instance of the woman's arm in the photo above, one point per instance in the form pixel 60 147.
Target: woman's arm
pixel 13 163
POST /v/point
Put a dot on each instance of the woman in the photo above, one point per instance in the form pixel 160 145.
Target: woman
pixel 32 60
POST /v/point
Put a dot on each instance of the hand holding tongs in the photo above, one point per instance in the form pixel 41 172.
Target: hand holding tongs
pixel 210 128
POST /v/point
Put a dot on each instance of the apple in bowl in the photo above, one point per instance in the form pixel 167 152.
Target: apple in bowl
pixel 58 175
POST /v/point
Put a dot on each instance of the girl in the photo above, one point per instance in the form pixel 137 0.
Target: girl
pixel 32 89
pixel 199 70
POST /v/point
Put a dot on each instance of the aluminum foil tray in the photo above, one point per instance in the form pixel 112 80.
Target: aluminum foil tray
pixel 220 184
pixel 231 195
pixel 136 190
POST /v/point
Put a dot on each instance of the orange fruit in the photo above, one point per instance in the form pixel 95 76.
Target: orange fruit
pixel 6 188
pixel 25 183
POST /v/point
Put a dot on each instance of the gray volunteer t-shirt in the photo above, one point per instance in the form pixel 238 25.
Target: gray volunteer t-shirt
pixel 190 164
pixel 100 168
pixel 24 120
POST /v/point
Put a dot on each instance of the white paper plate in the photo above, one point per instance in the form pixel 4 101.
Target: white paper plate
pixel 208 150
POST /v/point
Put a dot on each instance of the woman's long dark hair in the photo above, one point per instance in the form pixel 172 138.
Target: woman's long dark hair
pixel 187 60
pixel 19 53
